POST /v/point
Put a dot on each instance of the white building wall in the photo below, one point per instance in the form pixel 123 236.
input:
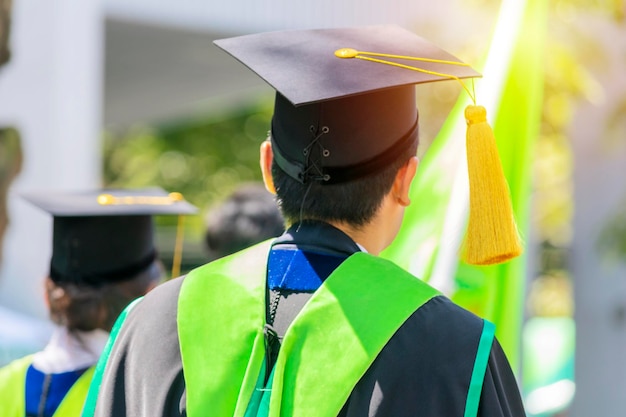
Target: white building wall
pixel 51 92
pixel 254 15
pixel 599 142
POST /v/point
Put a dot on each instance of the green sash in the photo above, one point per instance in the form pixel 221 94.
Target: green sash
pixel 74 401
pixel 13 382
pixel 220 328
pixel 222 341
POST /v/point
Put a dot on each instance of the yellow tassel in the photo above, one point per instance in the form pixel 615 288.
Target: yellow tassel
pixel 492 235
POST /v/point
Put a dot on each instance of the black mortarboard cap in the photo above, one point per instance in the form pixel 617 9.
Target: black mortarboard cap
pixel 105 235
pixel 338 119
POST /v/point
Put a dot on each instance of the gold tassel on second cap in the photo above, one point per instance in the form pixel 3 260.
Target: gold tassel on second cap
pixel 492 235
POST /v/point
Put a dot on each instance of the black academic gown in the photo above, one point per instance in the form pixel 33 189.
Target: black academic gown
pixel 410 377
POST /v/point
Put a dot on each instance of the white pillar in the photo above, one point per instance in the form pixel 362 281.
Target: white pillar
pixel 51 91
pixel 599 278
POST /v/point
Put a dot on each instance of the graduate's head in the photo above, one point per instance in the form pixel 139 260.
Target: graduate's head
pixel 335 160
pixel 103 252
pixel 247 216
pixel 349 166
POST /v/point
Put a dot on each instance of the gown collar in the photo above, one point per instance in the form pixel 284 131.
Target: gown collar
pixel 318 237
pixel 69 351
pixel 305 255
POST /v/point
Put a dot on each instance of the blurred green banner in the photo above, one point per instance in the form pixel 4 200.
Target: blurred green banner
pixel 433 229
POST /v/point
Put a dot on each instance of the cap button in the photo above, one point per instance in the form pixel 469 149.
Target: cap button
pixel 105 199
pixel 176 196
pixel 346 53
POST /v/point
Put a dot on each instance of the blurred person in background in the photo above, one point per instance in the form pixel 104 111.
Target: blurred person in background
pixel 247 216
pixel 103 258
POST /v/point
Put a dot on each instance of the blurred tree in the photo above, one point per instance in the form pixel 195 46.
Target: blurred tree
pixel 577 58
pixel 10 151
pixel 10 166
pixel 202 159
pixel 611 243
pixel 5 26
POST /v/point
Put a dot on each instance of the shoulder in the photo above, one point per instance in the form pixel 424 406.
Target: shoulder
pixel 15 369
pixel 426 366
pixel 441 328
pixel 438 317
pixel 151 317
pixel 12 383
pixel 442 314
pixel 143 368
pixel 159 304
pixel 439 338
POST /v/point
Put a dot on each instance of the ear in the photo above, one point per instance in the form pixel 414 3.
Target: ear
pixel 47 283
pixel 267 156
pixel 402 183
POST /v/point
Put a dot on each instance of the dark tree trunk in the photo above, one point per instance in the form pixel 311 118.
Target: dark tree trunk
pixel 10 166
pixel 10 150
pixel 5 26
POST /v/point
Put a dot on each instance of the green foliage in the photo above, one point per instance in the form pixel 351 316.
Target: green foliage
pixel 5 29
pixel 10 153
pixel 612 240
pixel 10 166
pixel 202 159
pixel 575 61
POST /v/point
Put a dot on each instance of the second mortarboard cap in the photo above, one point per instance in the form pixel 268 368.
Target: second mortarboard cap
pixel 105 236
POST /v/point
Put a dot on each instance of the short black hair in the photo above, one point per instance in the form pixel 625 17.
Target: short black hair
pixel 248 216
pixel 353 202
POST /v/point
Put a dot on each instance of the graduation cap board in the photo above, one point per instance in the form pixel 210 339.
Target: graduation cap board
pixel 345 108
pixel 105 236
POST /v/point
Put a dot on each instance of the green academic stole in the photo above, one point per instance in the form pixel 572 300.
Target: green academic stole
pixel 334 339
pixel 13 384
pixel 74 401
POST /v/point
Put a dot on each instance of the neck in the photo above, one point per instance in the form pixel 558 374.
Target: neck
pixel 369 236
pixel 380 231
pixel 69 351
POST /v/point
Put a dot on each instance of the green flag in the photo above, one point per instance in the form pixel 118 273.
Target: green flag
pixel 429 240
